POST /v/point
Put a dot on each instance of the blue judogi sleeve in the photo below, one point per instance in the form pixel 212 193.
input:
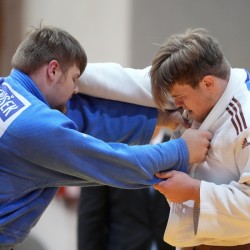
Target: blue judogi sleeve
pixel 112 121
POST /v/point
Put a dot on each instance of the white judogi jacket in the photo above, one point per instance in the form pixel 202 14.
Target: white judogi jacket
pixel 225 192
pixel 224 218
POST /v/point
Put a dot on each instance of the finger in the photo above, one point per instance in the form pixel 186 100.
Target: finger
pixel 164 175
pixel 210 136
pixel 156 186
pixel 159 186
pixel 162 186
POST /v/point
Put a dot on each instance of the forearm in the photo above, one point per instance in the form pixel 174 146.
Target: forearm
pixel 85 158
pixel 112 81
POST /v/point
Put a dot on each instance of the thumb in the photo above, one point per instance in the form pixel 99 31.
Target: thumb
pixel 156 187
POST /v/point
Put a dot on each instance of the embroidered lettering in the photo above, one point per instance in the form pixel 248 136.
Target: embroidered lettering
pixel 12 104
pixel 9 103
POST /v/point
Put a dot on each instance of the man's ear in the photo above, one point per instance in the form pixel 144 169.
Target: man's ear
pixel 208 81
pixel 52 69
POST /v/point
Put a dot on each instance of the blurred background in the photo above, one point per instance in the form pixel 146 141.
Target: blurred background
pixel 123 31
pixel 127 31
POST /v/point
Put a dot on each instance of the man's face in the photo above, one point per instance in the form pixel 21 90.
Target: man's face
pixel 198 102
pixel 64 87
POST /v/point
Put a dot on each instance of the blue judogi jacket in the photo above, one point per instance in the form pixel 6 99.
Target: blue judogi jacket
pixel 42 149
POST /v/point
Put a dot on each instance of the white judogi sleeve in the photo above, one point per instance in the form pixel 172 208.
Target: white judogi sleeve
pixel 112 81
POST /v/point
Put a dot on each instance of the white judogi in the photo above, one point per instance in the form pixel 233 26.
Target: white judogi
pixel 224 209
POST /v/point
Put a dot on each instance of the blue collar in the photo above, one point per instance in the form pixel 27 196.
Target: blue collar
pixel 248 80
pixel 27 83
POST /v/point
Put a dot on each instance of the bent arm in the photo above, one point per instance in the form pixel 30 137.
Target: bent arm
pixel 69 157
pixel 112 81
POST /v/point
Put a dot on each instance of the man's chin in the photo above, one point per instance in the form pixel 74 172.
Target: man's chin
pixel 62 108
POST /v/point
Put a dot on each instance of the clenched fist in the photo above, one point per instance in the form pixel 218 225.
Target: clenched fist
pixel 197 143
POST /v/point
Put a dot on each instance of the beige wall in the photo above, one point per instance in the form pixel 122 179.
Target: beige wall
pixel 101 26
pixel 10 32
pixel 126 31
pixel 228 20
